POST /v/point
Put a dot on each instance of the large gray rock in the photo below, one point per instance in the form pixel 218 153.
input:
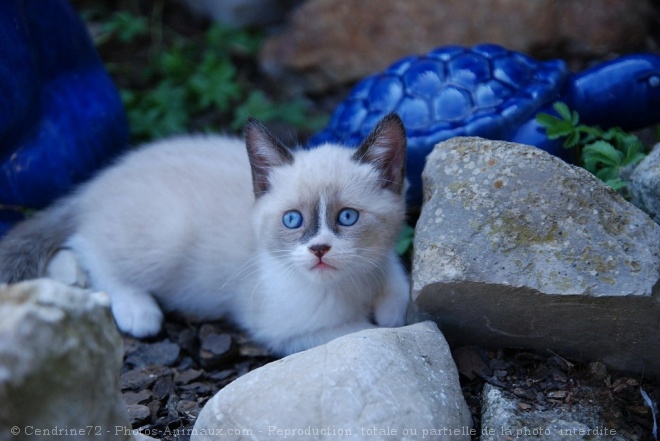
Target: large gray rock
pixel 60 356
pixel 516 248
pixel 644 185
pixel 378 384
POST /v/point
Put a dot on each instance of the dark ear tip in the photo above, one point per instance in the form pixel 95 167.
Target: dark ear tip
pixel 252 124
pixel 393 119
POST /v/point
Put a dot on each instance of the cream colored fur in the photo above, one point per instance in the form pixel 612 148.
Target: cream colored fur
pixel 175 226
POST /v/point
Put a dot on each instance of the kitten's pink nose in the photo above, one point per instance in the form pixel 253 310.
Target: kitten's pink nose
pixel 319 250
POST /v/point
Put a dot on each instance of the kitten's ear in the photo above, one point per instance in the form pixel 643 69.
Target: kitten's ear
pixel 385 149
pixel 265 152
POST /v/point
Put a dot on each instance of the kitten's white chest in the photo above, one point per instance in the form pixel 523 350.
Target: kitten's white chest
pixel 280 302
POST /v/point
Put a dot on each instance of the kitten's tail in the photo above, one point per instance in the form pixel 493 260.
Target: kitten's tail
pixel 26 249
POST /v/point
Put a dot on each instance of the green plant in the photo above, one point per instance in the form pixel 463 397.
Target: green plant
pixel 605 153
pixel 405 240
pixel 172 83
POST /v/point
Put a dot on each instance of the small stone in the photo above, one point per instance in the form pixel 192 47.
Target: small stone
pixel 187 339
pixel 209 328
pixel 162 353
pixel 188 376
pixel 251 349
pixel 185 364
pixel 163 387
pixel 597 370
pixel 130 345
pixel 499 365
pixel 500 374
pixel 216 350
pixel 217 344
pixel 139 415
pixel 173 329
pixel 142 378
pixel 198 388
pixel 140 397
pixel 188 407
pixel 222 375
pixel 154 406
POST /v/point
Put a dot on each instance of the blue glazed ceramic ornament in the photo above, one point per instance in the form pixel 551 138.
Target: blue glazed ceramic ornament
pixel 60 115
pixel 494 93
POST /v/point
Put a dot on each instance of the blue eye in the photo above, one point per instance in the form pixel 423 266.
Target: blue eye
pixel 348 217
pixel 292 219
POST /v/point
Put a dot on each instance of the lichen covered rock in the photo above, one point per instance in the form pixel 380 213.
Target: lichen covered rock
pixel 514 247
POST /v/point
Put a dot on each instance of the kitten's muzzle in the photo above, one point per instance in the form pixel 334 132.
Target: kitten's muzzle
pixel 319 250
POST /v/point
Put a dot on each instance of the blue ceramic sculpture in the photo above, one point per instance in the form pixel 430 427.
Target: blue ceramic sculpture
pixel 494 93
pixel 60 115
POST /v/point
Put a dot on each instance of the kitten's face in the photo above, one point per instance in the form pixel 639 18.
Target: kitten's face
pixel 332 213
pixel 327 216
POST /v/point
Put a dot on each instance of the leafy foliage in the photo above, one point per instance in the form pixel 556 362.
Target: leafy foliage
pixel 173 83
pixel 405 240
pixel 605 153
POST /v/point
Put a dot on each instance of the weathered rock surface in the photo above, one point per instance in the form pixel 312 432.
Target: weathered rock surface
pixel 516 248
pixel 376 384
pixel 60 355
pixel 330 42
pixel 505 417
pixel 644 185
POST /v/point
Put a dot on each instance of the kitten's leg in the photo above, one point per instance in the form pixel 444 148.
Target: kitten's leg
pixel 390 308
pixel 135 310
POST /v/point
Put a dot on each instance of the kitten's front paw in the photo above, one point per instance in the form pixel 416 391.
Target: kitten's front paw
pixel 141 317
pixel 390 316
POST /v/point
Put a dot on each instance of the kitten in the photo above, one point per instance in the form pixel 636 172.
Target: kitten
pixel 296 247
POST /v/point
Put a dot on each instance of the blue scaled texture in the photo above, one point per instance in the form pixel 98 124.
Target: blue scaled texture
pixel 495 93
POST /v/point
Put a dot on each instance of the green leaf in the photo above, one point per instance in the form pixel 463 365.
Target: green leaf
pixel 601 153
pixel 572 140
pixel 607 174
pixel 546 120
pixel 214 84
pixel 126 26
pixel 563 111
pixel 617 184
pixel 257 105
pixel 633 153
pixel 604 152
pixel 561 128
pixel 405 240
pixel 156 113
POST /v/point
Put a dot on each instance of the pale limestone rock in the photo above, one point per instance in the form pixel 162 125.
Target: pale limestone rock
pixel 378 384
pixel 60 356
